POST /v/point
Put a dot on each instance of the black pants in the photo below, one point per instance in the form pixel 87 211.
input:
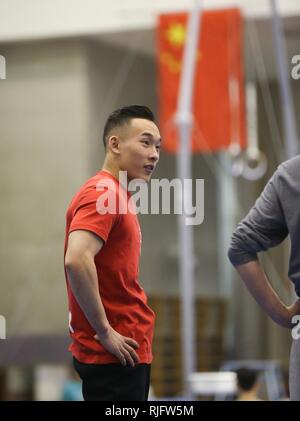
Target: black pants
pixel 113 382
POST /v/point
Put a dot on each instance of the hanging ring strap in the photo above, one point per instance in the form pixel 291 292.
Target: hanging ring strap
pixel 234 147
pixel 255 162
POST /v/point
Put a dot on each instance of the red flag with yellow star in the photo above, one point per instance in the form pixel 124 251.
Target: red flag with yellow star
pixel 219 111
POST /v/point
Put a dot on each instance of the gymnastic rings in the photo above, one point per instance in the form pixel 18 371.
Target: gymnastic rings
pixel 255 164
pixel 251 164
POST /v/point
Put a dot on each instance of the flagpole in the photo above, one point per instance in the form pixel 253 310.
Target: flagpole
pixel 184 122
pixel 289 121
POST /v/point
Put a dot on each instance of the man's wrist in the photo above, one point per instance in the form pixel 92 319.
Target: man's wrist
pixel 103 330
pixel 284 318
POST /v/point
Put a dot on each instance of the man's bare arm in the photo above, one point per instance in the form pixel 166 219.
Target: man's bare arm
pixel 82 274
pixel 255 279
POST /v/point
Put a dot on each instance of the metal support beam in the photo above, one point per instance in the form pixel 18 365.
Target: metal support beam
pixel 184 120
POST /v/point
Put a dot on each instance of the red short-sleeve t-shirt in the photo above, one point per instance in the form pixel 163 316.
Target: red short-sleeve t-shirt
pixel 117 266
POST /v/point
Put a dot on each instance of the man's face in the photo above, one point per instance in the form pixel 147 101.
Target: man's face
pixel 139 148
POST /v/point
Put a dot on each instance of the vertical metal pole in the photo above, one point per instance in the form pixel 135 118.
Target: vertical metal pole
pixel 290 128
pixel 184 120
pixel 227 210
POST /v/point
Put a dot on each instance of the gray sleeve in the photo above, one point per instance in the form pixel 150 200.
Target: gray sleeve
pixel 264 226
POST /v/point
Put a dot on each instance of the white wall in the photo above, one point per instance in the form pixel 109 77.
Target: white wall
pixel 44 127
pixel 36 19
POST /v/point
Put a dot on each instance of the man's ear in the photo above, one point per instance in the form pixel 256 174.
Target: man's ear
pixel 113 144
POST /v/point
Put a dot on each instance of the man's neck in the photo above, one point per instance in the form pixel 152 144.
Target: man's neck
pixel 111 168
pixel 116 172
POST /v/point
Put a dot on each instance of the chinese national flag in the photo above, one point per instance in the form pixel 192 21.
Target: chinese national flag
pixel 219 116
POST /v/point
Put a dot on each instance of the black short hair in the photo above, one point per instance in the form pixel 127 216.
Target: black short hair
pixel 246 378
pixel 124 115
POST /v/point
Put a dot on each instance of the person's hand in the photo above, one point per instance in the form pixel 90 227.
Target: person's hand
pixel 120 346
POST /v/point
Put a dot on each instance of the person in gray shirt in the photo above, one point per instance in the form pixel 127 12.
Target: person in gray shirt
pixel 275 215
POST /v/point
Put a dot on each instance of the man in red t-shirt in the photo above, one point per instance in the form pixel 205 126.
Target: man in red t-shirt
pixel 110 322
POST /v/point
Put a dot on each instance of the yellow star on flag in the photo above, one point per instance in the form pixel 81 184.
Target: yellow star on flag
pixel 176 34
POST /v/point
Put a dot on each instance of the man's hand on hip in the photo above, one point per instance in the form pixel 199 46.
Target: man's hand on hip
pixel 120 346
